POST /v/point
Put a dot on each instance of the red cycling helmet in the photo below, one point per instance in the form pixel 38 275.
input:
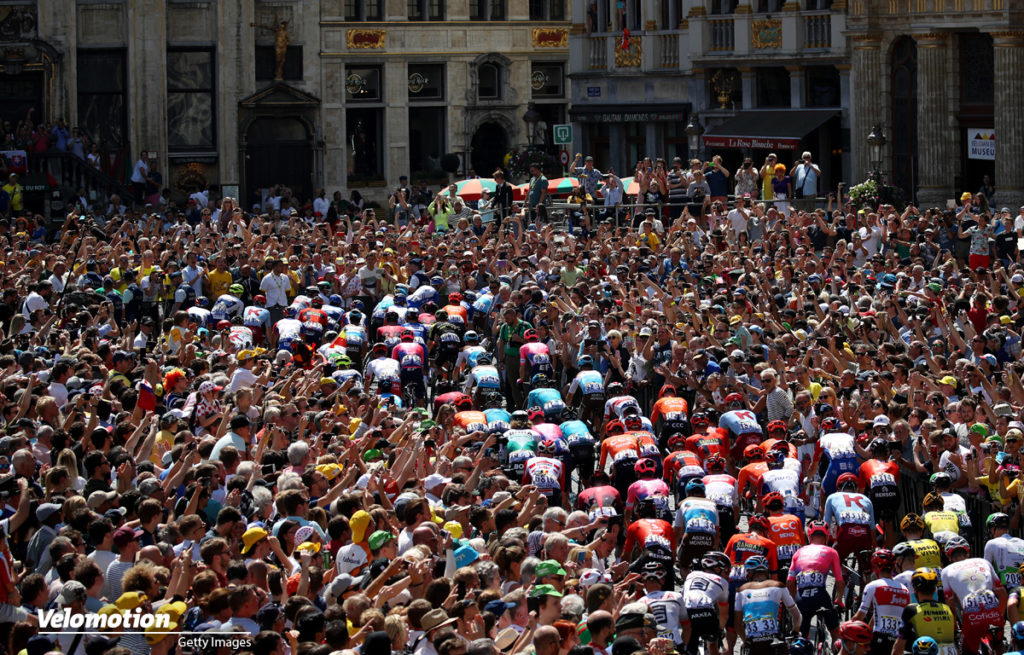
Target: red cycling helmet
pixel 408 335
pixel 882 559
pixel 667 390
pixel 223 325
pixel 464 403
pixel 699 418
pixel 260 299
pixel 818 527
pixel 676 439
pixel 753 452
pixel 633 422
pixel 455 297
pixel 773 498
pixel 530 335
pixel 316 302
pixel 645 466
pixel 733 398
pixel 777 426
pixel 759 521
pixel 614 427
pixel 714 464
pixel 845 479
pixel 856 631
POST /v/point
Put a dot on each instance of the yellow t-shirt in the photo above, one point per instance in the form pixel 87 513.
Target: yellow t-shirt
pixel 164 442
pixel 220 282
pixel 650 240
pixel 993 489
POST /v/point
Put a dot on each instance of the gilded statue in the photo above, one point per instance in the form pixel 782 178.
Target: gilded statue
pixel 281 41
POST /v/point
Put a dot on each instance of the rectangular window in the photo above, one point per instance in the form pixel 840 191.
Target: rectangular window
pixel 360 10
pixel 822 86
pixel 773 87
pixel 426 82
pixel 363 84
pixel 102 110
pixel 427 132
pixel 547 9
pixel 265 63
pixel 190 100
pixel 546 80
pixel 487 9
pixel 425 10
pixel 365 141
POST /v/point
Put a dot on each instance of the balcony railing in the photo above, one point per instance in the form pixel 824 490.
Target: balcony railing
pixel 818 31
pixel 722 35
pixel 598 52
pixel 666 50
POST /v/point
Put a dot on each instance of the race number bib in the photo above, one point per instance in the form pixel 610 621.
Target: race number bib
pixel 888 625
pixel 851 516
pixel 698 599
pixel 1011 579
pixel 410 361
pixel 544 481
pixel 700 524
pixel 806 579
pixel 883 480
pixel 980 601
pixel 622 455
pixel 761 628
pixel 786 551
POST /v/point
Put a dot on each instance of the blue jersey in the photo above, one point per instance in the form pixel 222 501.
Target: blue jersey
pixel 483 304
pixel 420 332
pixel 760 609
pixel 588 383
pixel 355 336
pixel 497 420
pixel 842 508
pixel 485 377
pixel 739 422
pixel 334 314
pixel 547 399
pixel 386 303
pixel 576 432
pixel 421 296
pixel 838 457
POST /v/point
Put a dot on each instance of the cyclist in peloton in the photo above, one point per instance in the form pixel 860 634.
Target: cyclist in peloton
pixel 851 517
pixel 926 551
pixel 879 477
pixel 854 638
pixel 720 488
pixel 942 523
pixel 972 586
pixel 786 530
pixel 586 391
pixel 1004 551
pixel 484 379
pixel 648 485
pixel 928 618
pixel 885 598
pixel 665 604
pixel 696 525
pixel 1017 638
pixel 759 605
pixel 706 602
pixel 808 575
pixel 470 352
pixel 444 342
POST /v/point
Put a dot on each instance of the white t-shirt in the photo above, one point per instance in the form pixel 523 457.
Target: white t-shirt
pixel 140 172
pixel 34 302
pixel 243 378
pixel 275 288
pixel 737 221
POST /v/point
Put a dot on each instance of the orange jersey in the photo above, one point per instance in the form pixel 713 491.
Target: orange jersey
pixel 875 473
pixel 471 421
pixel 639 530
pixel 707 444
pixel 747 544
pixel 790 452
pixel 456 311
pixel 751 475
pixel 667 407
pixel 788 534
pixel 618 447
pixel 678 460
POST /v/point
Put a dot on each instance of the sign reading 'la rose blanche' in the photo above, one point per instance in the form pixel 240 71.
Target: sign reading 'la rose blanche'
pixel 981 144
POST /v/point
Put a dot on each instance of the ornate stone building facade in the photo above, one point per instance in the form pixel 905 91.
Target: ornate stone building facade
pixel 341 94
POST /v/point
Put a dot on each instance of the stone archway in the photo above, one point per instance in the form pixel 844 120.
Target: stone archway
pixel 488 147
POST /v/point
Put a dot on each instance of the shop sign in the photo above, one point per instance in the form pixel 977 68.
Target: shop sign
pixel 751 142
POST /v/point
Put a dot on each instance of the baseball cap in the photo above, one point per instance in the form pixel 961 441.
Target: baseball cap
pixel 545 590
pixel 358 523
pixel 948 379
pixel 379 538
pixel 251 537
pixel 549 567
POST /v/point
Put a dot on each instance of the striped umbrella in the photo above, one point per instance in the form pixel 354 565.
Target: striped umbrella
pixel 473 189
pixel 631 187
pixel 562 186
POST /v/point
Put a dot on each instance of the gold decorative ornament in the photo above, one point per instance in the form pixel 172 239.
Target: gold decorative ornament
pixel 281 40
pixel 550 37
pixel 722 83
pixel 365 39
pixel 766 33
pixel 627 53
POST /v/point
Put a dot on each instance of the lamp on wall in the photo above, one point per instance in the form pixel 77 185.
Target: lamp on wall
pixel 876 142
pixel 531 118
pixel 694 131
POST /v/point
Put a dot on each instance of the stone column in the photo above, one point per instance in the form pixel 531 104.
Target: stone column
pixel 866 79
pixel 748 81
pixel 797 85
pixel 1009 118
pixel 236 78
pixel 933 138
pixel 147 65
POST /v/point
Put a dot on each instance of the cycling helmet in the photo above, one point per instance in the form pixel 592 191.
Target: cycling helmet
pixel 440 316
pixel 355 316
pixel 801 646
pixel 901 550
pixel 924 578
pixel 535 413
pixel 714 464
pixel 408 335
pixel 759 521
pixel 734 399
pixel 379 348
pixel 585 360
pixel 830 423
pixel 530 335
pixel 653 569
pixel 203 301
pixel 614 389
pixel 856 631
pixel 666 390
pixel 546 447
pixel 695 488
pixel 455 297
pixel 436 280
pixel 633 422
pixel 911 521
pixel 715 560
pixel 932 500
pixel 645 466
pixel 777 426
pixel 358 305
pixel 539 380
pixel 775 459
pixel 260 299
pixel 676 439
pixel 955 545
pixel 471 337
pixel 941 480
pixel 925 646
pixel 614 427
pixel 316 302
pixel 494 399
pixel 336 300
pixel 311 290
pixel 699 418
pixel 753 452
pixel 773 500
pixel 997 520
pixel 882 559
pixel 845 480
pixel 483 359
pixel 1017 632
pixel 878 445
pixel 756 563
pixel 463 403
pixel 223 325
pixel 343 361
pixel 818 527
pixel 519 415
pixel 236 289
pixel 291 311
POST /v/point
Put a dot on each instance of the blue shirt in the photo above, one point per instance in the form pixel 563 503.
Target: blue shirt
pixel 717 182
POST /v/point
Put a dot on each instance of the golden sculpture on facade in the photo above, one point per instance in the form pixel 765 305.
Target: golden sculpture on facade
pixel 281 41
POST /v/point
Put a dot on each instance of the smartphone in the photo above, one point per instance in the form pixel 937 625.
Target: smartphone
pixel 461 589
pixel 615 519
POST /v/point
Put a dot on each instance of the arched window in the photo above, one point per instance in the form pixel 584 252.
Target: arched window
pixel 489 81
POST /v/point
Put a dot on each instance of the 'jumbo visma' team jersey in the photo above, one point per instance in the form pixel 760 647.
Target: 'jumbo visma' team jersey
pixel 926 553
pixel 638 531
pixel 545 473
pixel 842 508
pixel 761 609
pixel 887 598
pixel 931 619
pixel 747 544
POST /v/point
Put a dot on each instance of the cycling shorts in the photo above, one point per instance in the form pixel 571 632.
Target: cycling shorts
pixel 852 538
pixel 812 599
pixel 695 544
pixel 704 624
pixel 412 378
pixel 886 503
pixel 881 644
pixel 976 625
pixel 447 354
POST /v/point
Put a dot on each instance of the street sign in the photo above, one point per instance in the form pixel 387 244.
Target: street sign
pixel 563 134
pixel 564 157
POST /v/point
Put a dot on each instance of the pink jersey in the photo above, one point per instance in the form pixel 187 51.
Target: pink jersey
pixel 644 489
pixel 537 356
pixel 811 565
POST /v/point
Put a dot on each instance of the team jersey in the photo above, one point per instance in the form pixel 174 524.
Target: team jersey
pixel 594 497
pixel 335 314
pixel 456 315
pixel 790 449
pixel 545 473
pixel 703 590
pixel 1006 553
pixel 483 377
pixel 810 567
pixel 720 488
pixel 942 525
pixel 952 502
pixel 926 553
pixel 747 544
pixel 619 448
pixel 520 446
pixel 618 406
pixel 750 475
pixel 842 508
pixel 537 357
pixel 576 432
pixel 640 530
pixel 588 383
pixel 972 582
pixel 879 479
pixel 887 598
pixel 240 337
pixel 784 481
pixel 788 534
pixel 655 490
pixel 421 296
pixel 383 368
pixel 287 331
pixel 697 516
pixel 838 456
pixel 410 356
pixel 930 619
pixel 743 429
pixel 199 316
pixel 314 314
pixel 226 307
pixel 471 421
pixel 646 443
pixel 708 444
pixel 254 316
pixel 667 608
pixel 669 414
pixel 468 357
pixel 497 420
pixel 355 337
pixel 549 400
pixel 760 609
pixel 682 464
